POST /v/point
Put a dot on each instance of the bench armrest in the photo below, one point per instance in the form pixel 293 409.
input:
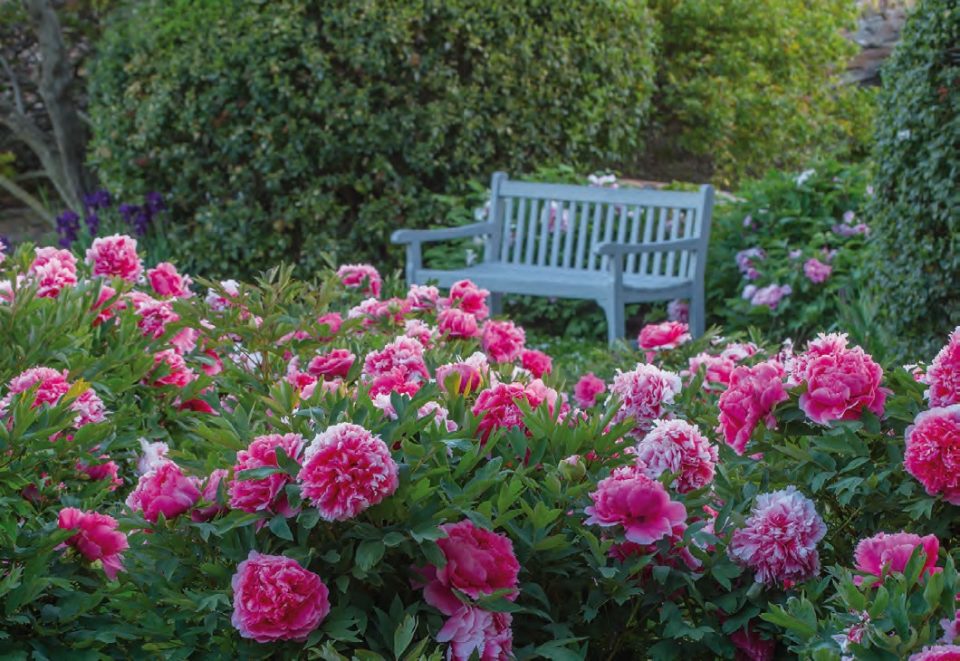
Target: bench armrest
pixel 619 249
pixel 442 234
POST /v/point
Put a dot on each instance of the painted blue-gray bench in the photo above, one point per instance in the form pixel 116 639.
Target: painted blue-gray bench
pixel 615 246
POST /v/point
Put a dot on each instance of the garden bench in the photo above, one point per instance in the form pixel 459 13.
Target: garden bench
pixel 615 246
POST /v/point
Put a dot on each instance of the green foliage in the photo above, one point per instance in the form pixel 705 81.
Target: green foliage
pixel 917 206
pixel 791 217
pixel 752 85
pixel 289 128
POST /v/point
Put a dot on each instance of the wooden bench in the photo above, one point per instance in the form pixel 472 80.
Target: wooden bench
pixel 615 246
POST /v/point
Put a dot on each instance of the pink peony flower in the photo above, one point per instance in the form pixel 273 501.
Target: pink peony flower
pixel 937 653
pixel 678 310
pixel 423 297
pixel 104 311
pixel 455 323
pixel 932 454
pixel 779 539
pixel 209 494
pixel 153 315
pixel 115 256
pixel 479 563
pixel 943 375
pixel 498 409
pixel 840 381
pixel 753 394
pixel 816 271
pixel 502 341
pixel 335 363
pixel 332 321
pixel 218 302
pixel 53 270
pixel 630 499
pixel 751 647
pixel 890 553
pixel 177 373
pixel 275 598
pixel 167 282
pixel 643 393
pixel 97 538
pixel 676 446
pixel 51 386
pixel 466 296
pixel 419 330
pixel 185 340
pixel 537 362
pixel 468 374
pixel 163 490
pixel 718 369
pixel 106 472
pixel 587 390
pixel 660 337
pixel 473 630
pixel 89 408
pixel 357 276
pixel 153 455
pixel 264 494
pixel 346 470
pixel 404 355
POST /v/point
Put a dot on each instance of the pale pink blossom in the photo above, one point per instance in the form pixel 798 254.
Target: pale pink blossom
pixel 816 271
pixel 361 276
pixel 644 393
pixel 677 447
pixel 53 270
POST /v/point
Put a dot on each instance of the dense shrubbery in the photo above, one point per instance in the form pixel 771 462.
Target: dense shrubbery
pixel 917 205
pixel 745 86
pixel 289 129
pixel 287 465
pixel 789 255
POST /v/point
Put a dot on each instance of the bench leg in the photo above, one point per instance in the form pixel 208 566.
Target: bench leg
pixel 616 324
pixel 496 304
pixel 698 316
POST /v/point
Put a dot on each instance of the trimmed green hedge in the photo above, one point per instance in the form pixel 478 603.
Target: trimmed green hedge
pixel 286 129
pixel 916 209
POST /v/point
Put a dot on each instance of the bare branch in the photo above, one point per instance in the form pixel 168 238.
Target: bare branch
pixel 17 94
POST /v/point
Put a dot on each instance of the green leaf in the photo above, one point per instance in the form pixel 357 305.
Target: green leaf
pixel 369 553
pixel 404 634
pixel 280 528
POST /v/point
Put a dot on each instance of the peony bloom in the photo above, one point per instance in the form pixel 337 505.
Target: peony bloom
pixel 676 446
pixel 97 538
pixel 53 270
pixel 770 296
pixel 643 393
pixel 479 563
pixel 163 490
pixel 937 653
pixel 357 276
pixel 467 375
pixel 816 271
pixel 502 341
pixel 457 324
pixel 346 470
pixel 50 384
pixel 751 646
pixel 153 454
pixel 943 376
pixel 640 505
pixel 753 394
pixel 890 553
pixel 932 454
pixel 587 390
pixel 217 302
pixel 537 362
pixel 166 282
pixel 209 493
pixel 678 310
pixel 497 405
pixel 332 321
pixel 177 373
pixel 419 330
pixel 104 311
pixel 659 337
pixel 473 630
pixel 779 539
pixel 107 472
pixel 267 493
pixel 466 296
pixel 153 315
pixel 274 598
pixel 718 369
pixel 115 256
pixel 403 356
pixel 841 382
pixel 423 297
pixel 333 364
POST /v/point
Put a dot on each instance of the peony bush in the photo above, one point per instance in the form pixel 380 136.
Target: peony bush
pixel 346 468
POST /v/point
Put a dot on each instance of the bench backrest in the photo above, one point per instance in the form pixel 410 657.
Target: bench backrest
pixel 558 226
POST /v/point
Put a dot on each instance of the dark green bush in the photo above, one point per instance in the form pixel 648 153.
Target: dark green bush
pixel 286 129
pixel 917 205
pixel 747 85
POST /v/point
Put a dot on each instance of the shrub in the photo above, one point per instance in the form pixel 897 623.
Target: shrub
pixel 917 205
pixel 290 129
pixel 232 476
pixel 764 239
pixel 749 85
